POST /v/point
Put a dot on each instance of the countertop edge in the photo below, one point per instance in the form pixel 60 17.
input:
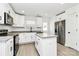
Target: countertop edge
pixel 46 36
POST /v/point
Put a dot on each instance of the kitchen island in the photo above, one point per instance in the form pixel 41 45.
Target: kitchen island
pixel 46 44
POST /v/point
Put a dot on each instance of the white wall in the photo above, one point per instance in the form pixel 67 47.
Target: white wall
pixel 38 22
pixel 5 27
pixel 10 28
pixel 72 25
pixel 46 20
pixel 51 25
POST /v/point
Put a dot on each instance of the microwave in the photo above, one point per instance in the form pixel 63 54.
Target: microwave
pixel 8 20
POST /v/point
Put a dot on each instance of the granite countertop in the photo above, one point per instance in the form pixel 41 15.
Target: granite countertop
pixel 6 38
pixel 26 31
pixel 13 34
pixel 18 32
pixel 46 35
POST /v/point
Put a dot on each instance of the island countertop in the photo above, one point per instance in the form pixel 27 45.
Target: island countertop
pixel 46 35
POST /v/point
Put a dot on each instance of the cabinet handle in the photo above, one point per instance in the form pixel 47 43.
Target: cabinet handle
pixel 10 48
pixel 10 41
pixel 37 43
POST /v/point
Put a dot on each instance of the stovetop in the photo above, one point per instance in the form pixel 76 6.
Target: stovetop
pixel 3 32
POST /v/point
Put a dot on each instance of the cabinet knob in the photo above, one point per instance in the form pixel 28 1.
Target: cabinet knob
pixel 37 43
pixel 10 41
pixel 10 48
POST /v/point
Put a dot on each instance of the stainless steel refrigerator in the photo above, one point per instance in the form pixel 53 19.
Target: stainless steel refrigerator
pixel 60 31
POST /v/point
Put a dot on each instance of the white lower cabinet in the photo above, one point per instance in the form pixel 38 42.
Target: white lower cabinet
pixel 6 48
pixel 2 49
pixel 26 37
pixel 9 48
pixel 46 46
pixel 18 23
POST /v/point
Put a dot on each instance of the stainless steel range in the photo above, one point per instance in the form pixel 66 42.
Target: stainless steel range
pixel 3 32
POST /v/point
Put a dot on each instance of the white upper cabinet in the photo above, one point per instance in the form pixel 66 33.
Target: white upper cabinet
pixel 2 9
pixel 6 47
pixel 5 7
pixel 39 22
pixel 19 20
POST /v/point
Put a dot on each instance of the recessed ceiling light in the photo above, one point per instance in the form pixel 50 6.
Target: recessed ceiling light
pixel 61 3
pixel 23 11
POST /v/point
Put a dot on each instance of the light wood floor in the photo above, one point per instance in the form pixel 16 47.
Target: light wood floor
pixel 29 50
pixel 65 51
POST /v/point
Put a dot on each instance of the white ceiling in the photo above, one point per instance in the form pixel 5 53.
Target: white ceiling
pixel 42 9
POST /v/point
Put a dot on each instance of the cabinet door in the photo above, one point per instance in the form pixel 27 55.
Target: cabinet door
pixel 24 38
pixel 2 49
pixel 38 45
pixel 29 37
pixel 39 22
pixel 48 47
pixel 21 38
pixel 18 21
pixel 2 13
pixel 9 47
pixel 33 37
pixel 15 20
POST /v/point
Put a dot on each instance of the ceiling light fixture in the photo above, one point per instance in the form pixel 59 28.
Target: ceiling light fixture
pixel 61 3
pixel 23 11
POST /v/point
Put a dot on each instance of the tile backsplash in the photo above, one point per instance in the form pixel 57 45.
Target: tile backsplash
pixel 10 28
